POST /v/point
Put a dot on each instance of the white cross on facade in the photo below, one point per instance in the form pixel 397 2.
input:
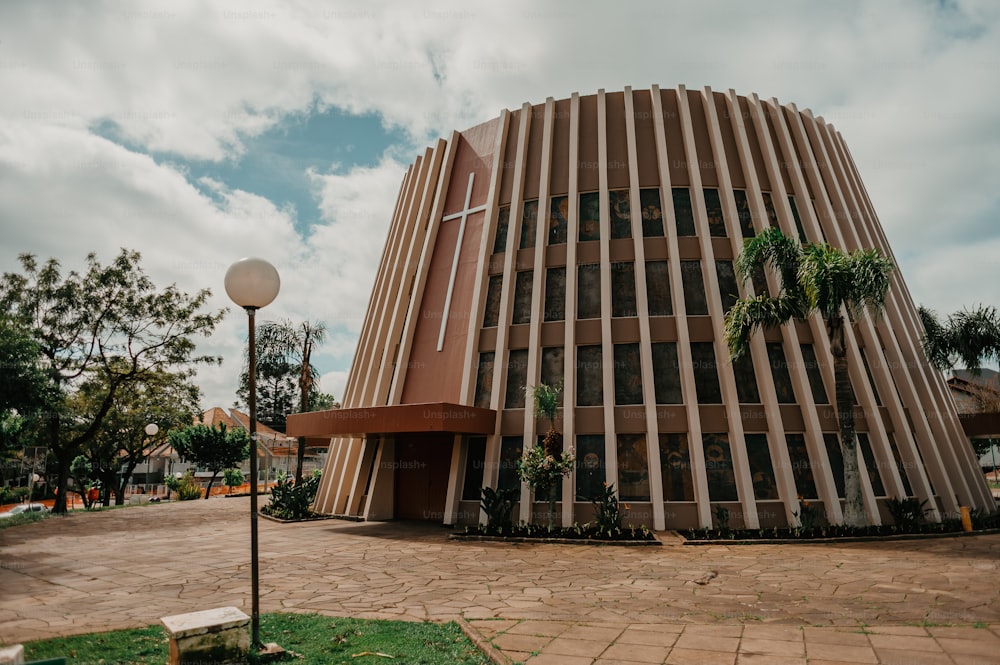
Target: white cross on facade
pixel 464 216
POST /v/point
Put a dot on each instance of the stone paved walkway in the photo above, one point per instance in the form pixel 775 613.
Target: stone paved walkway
pixel 928 601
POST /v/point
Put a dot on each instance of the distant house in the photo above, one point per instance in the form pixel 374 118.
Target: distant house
pixel 977 396
pixel 276 453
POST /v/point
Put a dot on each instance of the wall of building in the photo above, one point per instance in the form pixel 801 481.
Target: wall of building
pixel 601 253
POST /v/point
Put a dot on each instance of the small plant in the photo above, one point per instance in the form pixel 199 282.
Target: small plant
pixel 543 466
pixel 907 513
pixel 722 519
pixel 290 501
pixel 609 516
pixel 807 515
pixel 187 488
pixel 498 506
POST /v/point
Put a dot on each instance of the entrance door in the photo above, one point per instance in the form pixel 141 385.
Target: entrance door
pixel 423 463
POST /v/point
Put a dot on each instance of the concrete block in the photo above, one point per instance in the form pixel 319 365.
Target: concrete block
pixel 12 655
pixel 220 635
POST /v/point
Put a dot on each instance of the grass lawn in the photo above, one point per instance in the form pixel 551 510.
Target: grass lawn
pixel 315 638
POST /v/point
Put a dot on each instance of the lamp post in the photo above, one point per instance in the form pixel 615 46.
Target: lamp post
pixel 253 283
pixel 151 430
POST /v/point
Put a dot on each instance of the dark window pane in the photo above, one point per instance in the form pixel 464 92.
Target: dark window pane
pixel 683 212
pixel 713 206
pixel 871 379
pixel 555 294
pixel 558 223
pixel 900 465
pixel 801 466
pixel 743 210
pixel 759 282
pixel 623 289
pixel 590 216
pixel 728 290
pixel 706 374
pixel 503 220
pixel 517 375
pixel 695 302
pixel 475 462
pixel 675 468
pixel 874 468
pixel 813 373
pixel 798 220
pixel 746 380
pixel 588 291
pixel 484 379
pixel 666 373
pixel 589 376
pixel 779 370
pixel 628 374
pixel 522 297
pixel 491 314
pixel 529 223
pixel 633 468
pixel 511 448
pixel 553 359
pixel 658 289
pixel 836 457
pixel 590 466
pixel 772 216
pixel 761 470
pixel 652 213
pixel 621 215
pixel 719 468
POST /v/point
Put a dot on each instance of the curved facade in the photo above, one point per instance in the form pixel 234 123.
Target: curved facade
pixel 591 240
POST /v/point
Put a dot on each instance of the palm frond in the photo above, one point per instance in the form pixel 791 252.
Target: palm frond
pixel 975 336
pixel 936 339
pixel 773 249
pixel 872 272
pixel 749 314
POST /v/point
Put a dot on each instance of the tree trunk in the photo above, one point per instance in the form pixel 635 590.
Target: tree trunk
pixel 62 476
pixel 300 459
pixel 854 509
pixel 208 490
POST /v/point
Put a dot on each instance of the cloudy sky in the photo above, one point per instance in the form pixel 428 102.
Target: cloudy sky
pixel 198 133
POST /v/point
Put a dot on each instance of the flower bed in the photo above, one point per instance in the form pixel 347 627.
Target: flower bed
pixel 988 523
pixel 582 534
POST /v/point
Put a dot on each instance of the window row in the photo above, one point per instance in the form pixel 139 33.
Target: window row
pixel 624 302
pixel 675 462
pixel 620 216
pixel 627 375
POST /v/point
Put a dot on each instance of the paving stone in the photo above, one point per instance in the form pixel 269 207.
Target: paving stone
pixel 699 657
pixel 639 653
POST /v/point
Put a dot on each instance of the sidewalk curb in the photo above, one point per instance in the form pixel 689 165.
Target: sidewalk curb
pixel 482 643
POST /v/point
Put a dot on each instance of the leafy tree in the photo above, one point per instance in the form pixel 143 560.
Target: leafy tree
pixel 815 277
pixel 970 336
pixel 108 320
pixel 213 448
pixel 320 401
pixel 285 349
pixel 232 478
pixel 83 473
pixel 168 399
pixel 24 386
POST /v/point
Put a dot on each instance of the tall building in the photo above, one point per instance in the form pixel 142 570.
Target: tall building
pixel 591 240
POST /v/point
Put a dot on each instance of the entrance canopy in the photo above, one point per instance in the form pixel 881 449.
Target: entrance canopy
pixel 394 419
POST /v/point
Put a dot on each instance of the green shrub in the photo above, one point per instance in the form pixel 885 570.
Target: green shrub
pixel 907 513
pixel 232 478
pixel 609 515
pixel 499 506
pixel 290 501
pixel 187 488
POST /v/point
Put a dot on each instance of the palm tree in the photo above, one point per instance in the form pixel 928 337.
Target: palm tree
pixel 970 336
pixel 284 342
pixel 815 277
pixel 543 466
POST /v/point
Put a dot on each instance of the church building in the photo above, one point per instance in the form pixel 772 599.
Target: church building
pixel 591 240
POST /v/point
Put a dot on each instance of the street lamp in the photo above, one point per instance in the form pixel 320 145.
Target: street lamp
pixel 253 283
pixel 152 429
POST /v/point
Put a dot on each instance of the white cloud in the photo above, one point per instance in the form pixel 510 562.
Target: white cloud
pixel 908 84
